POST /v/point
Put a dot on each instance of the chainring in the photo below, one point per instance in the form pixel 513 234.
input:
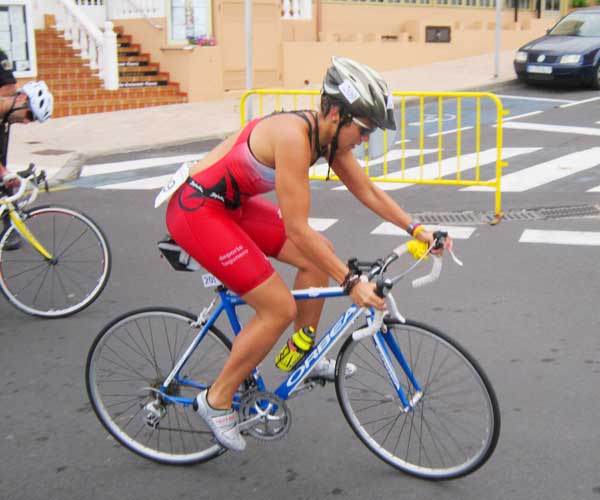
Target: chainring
pixel 274 420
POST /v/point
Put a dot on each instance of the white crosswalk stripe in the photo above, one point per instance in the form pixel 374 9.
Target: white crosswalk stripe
pixel 321 223
pixel 140 184
pixel 448 166
pixel 560 129
pixel 587 238
pixel 122 166
pixel 549 171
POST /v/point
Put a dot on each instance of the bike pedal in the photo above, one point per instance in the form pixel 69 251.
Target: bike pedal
pixel 317 380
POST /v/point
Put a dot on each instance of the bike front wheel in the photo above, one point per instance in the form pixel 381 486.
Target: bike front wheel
pixel 127 364
pixel 452 428
pixel 68 282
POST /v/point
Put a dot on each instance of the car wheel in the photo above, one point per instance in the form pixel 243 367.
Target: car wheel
pixel 596 78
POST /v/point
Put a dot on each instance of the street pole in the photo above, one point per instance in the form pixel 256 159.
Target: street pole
pixel 498 26
pixel 248 17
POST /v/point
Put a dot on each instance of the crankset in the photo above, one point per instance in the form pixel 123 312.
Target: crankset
pixel 264 415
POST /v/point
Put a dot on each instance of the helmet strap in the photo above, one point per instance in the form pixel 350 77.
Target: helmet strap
pixel 344 120
pixel 317 138
pixel 12 109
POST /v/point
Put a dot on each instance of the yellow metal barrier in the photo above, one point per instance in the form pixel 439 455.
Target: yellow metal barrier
pixel 440 172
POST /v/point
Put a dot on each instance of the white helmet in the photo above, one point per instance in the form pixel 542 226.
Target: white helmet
pixel 41 101
pixel 361 90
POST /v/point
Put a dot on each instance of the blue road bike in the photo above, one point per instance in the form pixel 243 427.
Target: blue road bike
pixel 418 400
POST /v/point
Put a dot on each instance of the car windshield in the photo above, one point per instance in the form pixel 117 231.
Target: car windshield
pixel 578 24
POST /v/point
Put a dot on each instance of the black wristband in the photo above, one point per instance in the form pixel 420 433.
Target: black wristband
pixel 411 227
pixel 350 282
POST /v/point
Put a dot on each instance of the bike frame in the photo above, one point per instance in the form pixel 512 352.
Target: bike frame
pixel 22 229
pixel 385 343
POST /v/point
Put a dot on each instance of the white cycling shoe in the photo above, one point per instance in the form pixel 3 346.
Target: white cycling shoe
pixel 325 369
pixel 222 423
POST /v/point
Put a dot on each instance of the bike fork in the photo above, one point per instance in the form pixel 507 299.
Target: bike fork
pixel 24 231
pixel 384 343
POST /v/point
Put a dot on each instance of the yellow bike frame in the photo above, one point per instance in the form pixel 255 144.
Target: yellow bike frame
pixel 26 233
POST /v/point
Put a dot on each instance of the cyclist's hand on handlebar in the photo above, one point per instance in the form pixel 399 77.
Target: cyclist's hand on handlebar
pixel 363 295
pixel 10 184
pixel 429 238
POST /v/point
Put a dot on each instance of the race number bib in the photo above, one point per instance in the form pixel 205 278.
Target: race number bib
pixel 210 281
pixel 176 180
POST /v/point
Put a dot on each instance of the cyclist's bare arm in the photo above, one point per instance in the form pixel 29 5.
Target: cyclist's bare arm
pixel 292 157
pixel 376 199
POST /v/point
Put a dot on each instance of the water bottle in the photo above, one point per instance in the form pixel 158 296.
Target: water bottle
pixel 295 348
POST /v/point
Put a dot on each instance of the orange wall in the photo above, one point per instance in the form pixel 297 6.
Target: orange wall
pixel 389 18
pixel 390 55
pixel 348 30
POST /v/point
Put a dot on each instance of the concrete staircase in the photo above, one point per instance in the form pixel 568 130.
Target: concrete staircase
pixel 78 90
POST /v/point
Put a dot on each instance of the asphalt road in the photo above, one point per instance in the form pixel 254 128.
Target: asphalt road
pixel 527 311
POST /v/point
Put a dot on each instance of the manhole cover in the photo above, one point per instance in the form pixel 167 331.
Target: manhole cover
pixel 575 211
pixel 542 213
pixel 466 217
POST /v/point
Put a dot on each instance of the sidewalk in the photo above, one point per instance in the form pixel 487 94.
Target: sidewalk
pixel 62 146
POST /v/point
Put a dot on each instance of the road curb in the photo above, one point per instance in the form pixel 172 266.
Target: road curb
pixel 492 87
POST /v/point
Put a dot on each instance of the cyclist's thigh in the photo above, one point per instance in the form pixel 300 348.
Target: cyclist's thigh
pixel 262 221
pixel 213 237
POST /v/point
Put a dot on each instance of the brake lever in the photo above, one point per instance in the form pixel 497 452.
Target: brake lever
pixel 42 177
pixel 439 240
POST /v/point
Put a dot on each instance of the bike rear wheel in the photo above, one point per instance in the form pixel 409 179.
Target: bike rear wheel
pixel 68 283
pixel 127 363
pixel 450 432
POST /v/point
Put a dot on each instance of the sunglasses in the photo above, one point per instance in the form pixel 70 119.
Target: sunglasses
pixel 364 130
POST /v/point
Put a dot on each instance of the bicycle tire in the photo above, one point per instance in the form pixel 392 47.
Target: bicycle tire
pixel 148 342
pixel 70 282
pixel 451 431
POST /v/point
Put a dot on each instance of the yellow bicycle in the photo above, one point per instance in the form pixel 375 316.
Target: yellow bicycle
pixel 64 261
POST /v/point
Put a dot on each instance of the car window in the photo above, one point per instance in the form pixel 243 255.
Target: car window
pixel 578 25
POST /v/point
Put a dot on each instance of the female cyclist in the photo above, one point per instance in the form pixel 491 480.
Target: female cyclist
pixel 217 217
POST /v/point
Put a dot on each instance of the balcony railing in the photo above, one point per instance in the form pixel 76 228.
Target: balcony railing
pixel 135 9
pixel 296 9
